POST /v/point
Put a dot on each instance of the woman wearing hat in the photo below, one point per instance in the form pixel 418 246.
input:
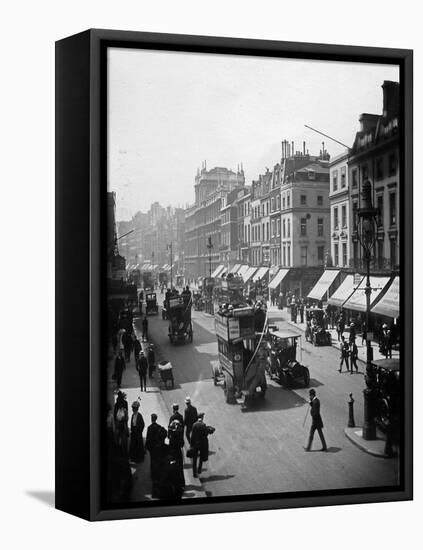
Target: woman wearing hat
pixel 136 444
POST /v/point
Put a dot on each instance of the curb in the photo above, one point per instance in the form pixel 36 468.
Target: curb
pixel 374 447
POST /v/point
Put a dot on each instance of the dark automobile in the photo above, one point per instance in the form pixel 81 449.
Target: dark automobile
pixel 316 327
pixel 151 305
pixel 282 358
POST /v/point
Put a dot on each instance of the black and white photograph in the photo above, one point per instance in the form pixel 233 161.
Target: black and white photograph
pixel 254 250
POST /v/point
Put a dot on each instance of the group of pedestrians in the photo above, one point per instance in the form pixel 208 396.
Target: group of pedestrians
pixel 145 362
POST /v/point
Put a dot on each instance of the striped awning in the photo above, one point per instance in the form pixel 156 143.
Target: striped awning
pixel 261 272
pixel 343 292
pixel 389 304
pixel 249 273
pixel 278 278
pixel 323 284
pixel 218 270
pixel 242 270
pixel 357 300
pixel 235 268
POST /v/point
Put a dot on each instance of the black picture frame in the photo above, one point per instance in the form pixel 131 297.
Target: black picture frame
pixel 81 127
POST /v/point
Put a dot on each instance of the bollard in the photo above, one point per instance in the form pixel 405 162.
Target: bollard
pixel 351 422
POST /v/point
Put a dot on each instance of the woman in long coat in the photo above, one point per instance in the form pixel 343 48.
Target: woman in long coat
pixel 136 443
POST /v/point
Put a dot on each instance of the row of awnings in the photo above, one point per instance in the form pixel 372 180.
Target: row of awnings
pixel 243 271
pixel 278 278
pixel 384 297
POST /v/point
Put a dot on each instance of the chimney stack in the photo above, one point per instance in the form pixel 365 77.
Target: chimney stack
pixel 390 98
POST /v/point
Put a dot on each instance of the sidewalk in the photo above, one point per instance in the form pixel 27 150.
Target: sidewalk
pixel 151 401
pixel 286 315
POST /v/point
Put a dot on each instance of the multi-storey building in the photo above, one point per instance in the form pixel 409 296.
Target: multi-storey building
pixel 305 218
pixel 275 217
pixel 375 157
pixel 243 206
pixel 339 211
pixel 203 219
pixel 229 230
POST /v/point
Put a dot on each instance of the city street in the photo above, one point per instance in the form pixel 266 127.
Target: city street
pixel 260 449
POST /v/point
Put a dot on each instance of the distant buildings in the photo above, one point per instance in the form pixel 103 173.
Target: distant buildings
pixel 339 197
pixel 203 220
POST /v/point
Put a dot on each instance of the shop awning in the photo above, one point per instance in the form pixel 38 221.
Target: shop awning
pixel 217 271
pixel 389 304
pixel 261 272
pixel 235 268
pixel 249 273
pixel 242 270
pixel 343 292
pixel 323 284
pixel 357 301
pixel 146 267
pixel 278 278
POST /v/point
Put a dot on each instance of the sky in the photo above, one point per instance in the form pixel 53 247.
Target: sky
pixel 170 111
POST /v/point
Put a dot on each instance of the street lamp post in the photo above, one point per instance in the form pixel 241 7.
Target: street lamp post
pixel 366 235
pixel 210 248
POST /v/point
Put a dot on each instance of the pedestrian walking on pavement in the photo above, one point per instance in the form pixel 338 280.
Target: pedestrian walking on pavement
pixel 145 329
pixel 340 326
pixel 142 367
pixel 316 422
pixel 345 351
pixel 136 443
pixel 137 349
pixel 353 356
pixel 176 442
pixel 119 368
pixel 190 417
pixel 176 415
pixel 151 357
pixel 200 444
pixel 352 333
pixel 155 445
pixel 301 308
pixel 127 344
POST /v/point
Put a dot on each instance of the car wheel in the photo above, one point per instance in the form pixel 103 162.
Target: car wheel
pixel 306 377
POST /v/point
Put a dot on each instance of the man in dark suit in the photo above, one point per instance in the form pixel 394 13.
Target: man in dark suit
pixel 200 444
pixel 119 368
pixel 190 416
pixel 142 367
pixel 316 422
pixel 176 415
pixel 155 445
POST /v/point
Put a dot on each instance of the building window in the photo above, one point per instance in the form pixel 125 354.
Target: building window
pixel 392 164
pixel 278 227
pixel 344 215
pixel 355 215
pixel 278 202
pixel 288 200
pixel 289 228
pixel 267 230
pixel 392 209
pixel 303 200
pixel 380 208
pixel 319 200
pixel 303 250
pixel 354 177
pixel 311 175
pixel 272 204
pixel 336 249
pixel 320 227
pixel 379 168
pixel 335 218
pixel 343 176
pixel 364 172
pixel 344 255
pixel 320 255
pixel 303 229
pixel 283 202
pixel 335 180
pixel 284 254
pixel 288 255
pixel 283 229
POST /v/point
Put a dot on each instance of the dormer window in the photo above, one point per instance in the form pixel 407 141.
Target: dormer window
pixel 311 175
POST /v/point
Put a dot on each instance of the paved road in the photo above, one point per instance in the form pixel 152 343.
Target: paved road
pixel 260 450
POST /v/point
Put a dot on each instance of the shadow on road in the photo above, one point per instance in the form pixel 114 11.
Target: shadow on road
pixel 216 478
pixel 277 399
